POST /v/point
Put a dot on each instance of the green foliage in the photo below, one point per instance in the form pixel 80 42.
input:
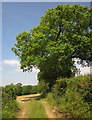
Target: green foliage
pixel 41 86
pixel 63 34
pixel 74 96
pixel 9 109
pixel 10 90
pixel 59 89
pixel 30 89
pixel 37 110
pixel 19 89
pixel 9 105
pixel 35 89
pixel 51 100
pixel 26 90
pixel 45 91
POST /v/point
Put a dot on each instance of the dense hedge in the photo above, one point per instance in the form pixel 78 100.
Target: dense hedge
pixel 74 96
pixel 9 104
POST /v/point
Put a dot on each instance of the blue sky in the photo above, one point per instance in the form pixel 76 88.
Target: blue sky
pixel 16 18
pixel 46 0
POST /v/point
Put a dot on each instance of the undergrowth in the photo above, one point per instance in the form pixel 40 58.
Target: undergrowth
pixel 9 104
pixel 73 96
pixel 37 110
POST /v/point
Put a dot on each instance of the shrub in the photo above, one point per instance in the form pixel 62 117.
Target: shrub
pixel 26 90
pixel 74 96
pixel 59 89
pixel 9 104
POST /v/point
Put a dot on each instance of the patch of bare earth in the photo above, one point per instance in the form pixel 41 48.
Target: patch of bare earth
pixel 53 112
pixel 23 112
pixel 49 111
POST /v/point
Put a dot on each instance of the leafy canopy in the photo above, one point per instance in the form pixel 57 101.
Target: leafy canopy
pixel 63 34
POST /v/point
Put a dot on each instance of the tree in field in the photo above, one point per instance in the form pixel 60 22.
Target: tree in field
pixel 19 88
pixel 63 34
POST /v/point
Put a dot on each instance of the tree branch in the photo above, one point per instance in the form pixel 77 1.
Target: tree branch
pixel 58 33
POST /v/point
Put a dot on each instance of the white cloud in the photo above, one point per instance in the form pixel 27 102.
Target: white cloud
pixel 18 69
pixel 35 70
pixel 15 64
pixel 82 70
pixel 11 62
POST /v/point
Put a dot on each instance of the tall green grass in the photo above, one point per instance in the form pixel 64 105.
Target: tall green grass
pixel 50 99
pixel 36 110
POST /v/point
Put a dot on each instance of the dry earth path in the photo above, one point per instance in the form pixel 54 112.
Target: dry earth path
pixel 49 111
pixel 24 108
pixel 24 102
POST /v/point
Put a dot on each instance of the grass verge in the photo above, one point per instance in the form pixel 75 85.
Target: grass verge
pixel 36 110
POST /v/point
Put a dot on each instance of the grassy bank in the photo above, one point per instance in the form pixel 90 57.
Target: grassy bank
pixel 36 110
pixel 73 96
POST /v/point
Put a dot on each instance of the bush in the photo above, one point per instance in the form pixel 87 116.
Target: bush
pixel 9 104
pixel 74 96
pixel 26 90
pixel 45 90
pixel 59 89
pixel 19 89
pixel 35 89
pixel 51 99
pixel 9 109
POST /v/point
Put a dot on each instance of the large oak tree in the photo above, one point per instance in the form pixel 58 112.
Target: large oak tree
pixel 64 33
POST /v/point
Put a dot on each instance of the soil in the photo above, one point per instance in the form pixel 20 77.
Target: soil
pixel 49 111
pixel 23 109
pixel 24 102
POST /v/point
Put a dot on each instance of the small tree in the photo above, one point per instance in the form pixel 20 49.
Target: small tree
pixel 19 88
